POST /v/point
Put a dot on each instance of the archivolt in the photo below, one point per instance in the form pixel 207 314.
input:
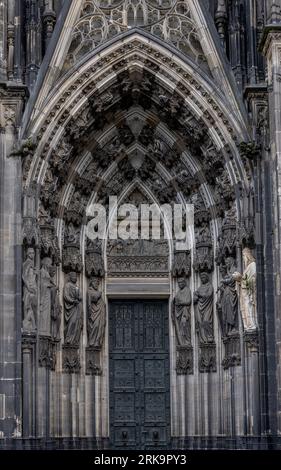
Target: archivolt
pixel 184 121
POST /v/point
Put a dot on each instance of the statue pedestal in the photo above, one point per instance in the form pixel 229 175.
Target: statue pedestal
pixel 207 358
pixel 184 364
pixel 70 359
pixel 93 366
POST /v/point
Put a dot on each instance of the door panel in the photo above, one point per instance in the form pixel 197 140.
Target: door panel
pixel 139 374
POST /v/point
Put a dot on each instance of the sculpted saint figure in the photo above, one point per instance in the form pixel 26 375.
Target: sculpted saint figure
pixel 247 291
pixel 56 308
pixel 30 289
pixel 227 305
pixel 73 319
pixel 45 297
pixel 96 315
pixel 203 298
pixel 181 314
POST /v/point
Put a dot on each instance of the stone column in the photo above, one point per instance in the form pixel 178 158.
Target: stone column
pixel 11 104
pixel 28 359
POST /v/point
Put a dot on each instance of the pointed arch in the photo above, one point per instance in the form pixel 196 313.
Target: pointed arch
pixel 51 69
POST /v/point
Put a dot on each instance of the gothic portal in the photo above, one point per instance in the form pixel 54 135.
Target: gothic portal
pixel 134 343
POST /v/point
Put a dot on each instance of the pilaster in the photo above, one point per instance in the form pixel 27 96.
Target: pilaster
pixel 11 107
pixel 271 45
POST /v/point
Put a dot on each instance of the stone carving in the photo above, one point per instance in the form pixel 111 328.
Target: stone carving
pixel 232 357
pixel 56 308
pixel 30 290
pixel 24 148
pixel 203 299
pixel 30 231
pixel 70 359
pixel 144 266
pixel 76 209
pixel 96 320
pixel 182 314
pixel 201 213
pixel 46 285
pixel 203 260
pixel 60 157
pixel 225 194
pixel 71 257
pixel 49 246
pixel 47 353
pixel 251 339
pixel 94 263
pixel 93 366
pixel 247 291
pixel 227 239
pixel 207 358
pixel 151 258
pixel 181 264
pixel 73 319
pixel 184 360
pixel 227 305
pixel 250 150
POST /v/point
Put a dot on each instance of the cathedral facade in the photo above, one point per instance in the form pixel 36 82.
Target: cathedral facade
pixel 136 343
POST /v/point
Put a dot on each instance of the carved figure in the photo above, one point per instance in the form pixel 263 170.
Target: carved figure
pixel 45 297
pixel 247 291
pixel 73 319
pixel 30 289
pixel 96 315
pixel 203 298
pixel 181 314
pixel 227 305
pixel 56 308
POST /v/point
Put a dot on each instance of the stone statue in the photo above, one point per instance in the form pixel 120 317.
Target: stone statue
pixel 227 305
pixel 56 308
pixel 73 319
pixel 30 290
pixel 96 321
pixel 45 297
pixel 203 298
pixel 181 314
pixel 247 291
